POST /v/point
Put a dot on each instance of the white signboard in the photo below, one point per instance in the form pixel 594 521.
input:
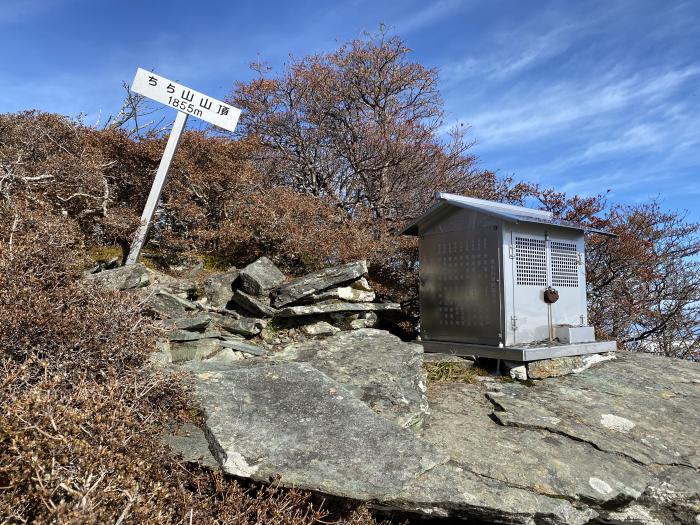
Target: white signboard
pixel 186 100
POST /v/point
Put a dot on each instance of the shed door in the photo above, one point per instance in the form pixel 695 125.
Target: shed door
pixel 541 262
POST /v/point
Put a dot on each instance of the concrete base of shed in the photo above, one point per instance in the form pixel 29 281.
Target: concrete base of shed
pixel 533 352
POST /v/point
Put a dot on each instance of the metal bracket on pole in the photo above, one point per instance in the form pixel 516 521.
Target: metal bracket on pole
pixel 157 188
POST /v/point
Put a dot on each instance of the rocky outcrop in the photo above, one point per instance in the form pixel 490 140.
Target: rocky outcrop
pixel 618 441
pixel 317 281
pixel 341 410
pixel 376 367
pixel 605 439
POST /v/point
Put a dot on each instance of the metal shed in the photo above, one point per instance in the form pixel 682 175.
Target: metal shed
pixel 501 281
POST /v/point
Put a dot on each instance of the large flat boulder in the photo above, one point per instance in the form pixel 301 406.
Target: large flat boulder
pixel 621 439
pixel 556 465
pixel 317 281
pixel 448 490
pixel 294 421
pixel 376 367
pixel 639 406
pixel 616 443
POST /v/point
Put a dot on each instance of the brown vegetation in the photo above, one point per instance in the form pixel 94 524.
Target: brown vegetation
pixel 81 409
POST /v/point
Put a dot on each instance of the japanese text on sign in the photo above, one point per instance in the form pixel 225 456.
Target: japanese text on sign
pixel 186 100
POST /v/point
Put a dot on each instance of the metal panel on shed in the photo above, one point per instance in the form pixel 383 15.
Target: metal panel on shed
pixel 461 286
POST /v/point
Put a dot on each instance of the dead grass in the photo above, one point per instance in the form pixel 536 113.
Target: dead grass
pixel 451 372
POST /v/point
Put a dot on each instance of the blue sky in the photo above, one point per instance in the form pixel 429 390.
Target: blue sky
pixel 578 96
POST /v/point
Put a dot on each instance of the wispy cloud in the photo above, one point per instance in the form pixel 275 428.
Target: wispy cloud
pixel 437 10
pixel 14 11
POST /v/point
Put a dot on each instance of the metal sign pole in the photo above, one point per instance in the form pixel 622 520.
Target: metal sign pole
pixel 157 188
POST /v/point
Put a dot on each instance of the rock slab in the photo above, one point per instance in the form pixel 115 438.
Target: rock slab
pixel 376 367
pixel 295 421
pixel 252 304
pixel 316 281
pixel 299 311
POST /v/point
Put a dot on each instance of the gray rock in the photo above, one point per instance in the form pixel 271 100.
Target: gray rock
pixel 377 367
pixel 194 272
pixel 560 366
pixel 252 304
pixel 672 497
pixel 189 442
pixel 226 356
pixel 515 369
pixel 242 347
pixel 325 297
pixel 347 293
pixel 370 319
pixel 124 278
pixel 218 288
pixel 194 350
pixel 547 463
pixel 107 265
pixel 185 335
pixel 640 406
pixel 316 281
pixel 181 288
pixel 295 421
pixel 357 324
pixel 161 358
pixel 320 328
pixel 245 325
pixel 619 441
pixel 232 337
pixel 260 277
pixel 188 323
pixel 449 491
pixel 298 311
pixel 164 303
pixel 361 284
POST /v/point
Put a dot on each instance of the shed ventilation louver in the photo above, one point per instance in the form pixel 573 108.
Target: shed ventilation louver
pixel 564 264
pixel 531 261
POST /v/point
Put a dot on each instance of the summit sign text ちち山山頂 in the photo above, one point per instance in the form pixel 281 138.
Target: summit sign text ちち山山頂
pixel 185 99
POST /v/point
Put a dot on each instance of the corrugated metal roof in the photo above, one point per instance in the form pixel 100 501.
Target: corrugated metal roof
pixel 507 212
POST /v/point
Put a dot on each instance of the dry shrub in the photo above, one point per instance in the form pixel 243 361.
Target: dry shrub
pixel 81 409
